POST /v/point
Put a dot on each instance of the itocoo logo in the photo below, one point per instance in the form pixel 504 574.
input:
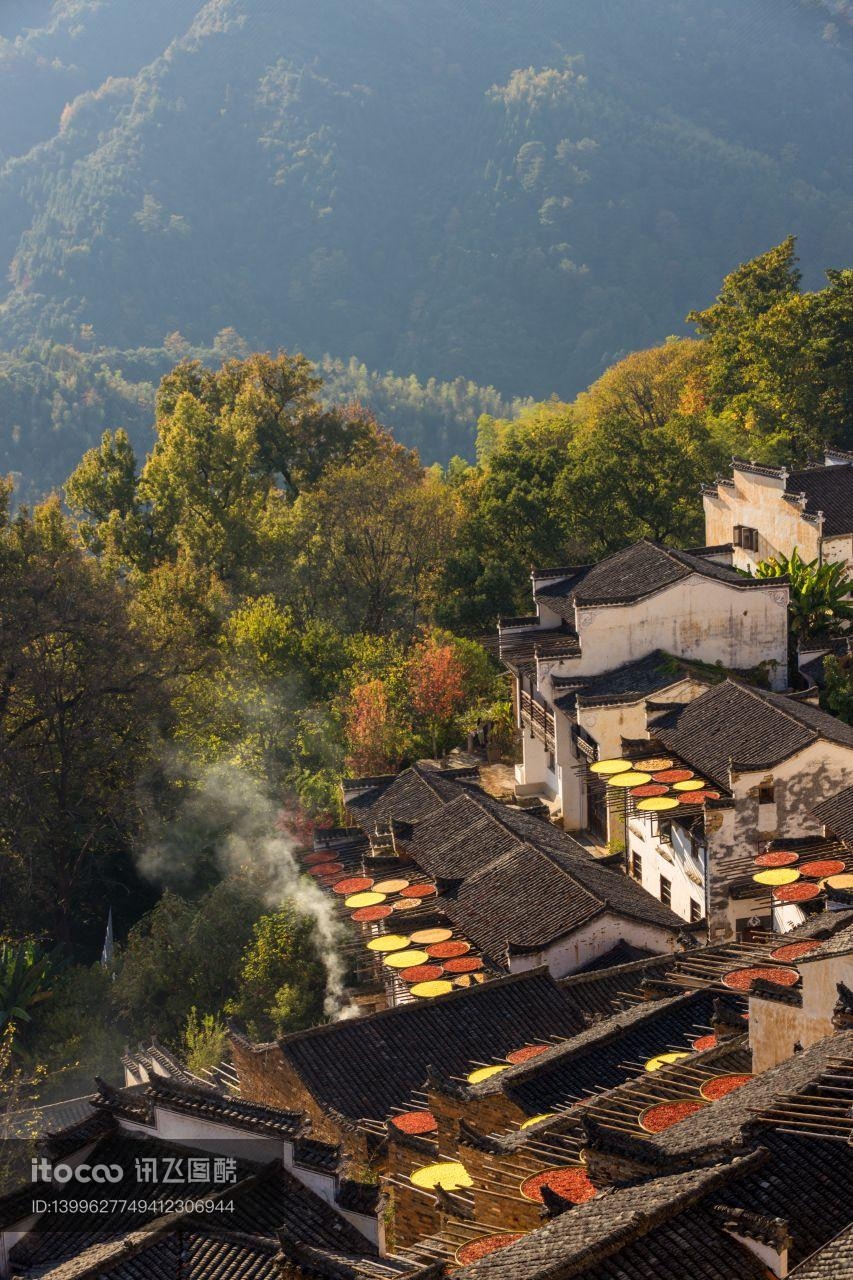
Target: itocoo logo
pixel 44 1171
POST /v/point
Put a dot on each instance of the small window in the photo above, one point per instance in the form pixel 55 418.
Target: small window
pixel 666 891
pixel 767 793
pixel 737 535
pixel 695 911
pixel 665 830
pixel 636 865
pixel 748 538
pixel 552 764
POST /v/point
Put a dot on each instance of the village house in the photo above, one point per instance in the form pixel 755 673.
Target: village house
pixel 512 890
pixel 765 511
pixel 620 1118
pixel 668 1089
pixel 351 1075
pixel 263 1197
pixel 763 762
pixel 785 1020
pixel 649 622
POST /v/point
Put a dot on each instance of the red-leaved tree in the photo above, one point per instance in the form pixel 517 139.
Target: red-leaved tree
pixel 436 687
pixel 376 736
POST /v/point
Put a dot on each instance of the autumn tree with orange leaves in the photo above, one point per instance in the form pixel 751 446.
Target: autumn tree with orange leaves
pixel 436 686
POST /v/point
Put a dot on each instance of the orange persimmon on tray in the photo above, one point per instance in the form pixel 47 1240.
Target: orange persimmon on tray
pixel 326 869
pixel 796 892
pixel 671 776
pixel 524 1055
pixel 465 964
pixel 448 950
pixel 719 1086
pixel 352 884
pixel 821 868
pixel 369 915
pixel 793 950
pixel 418 891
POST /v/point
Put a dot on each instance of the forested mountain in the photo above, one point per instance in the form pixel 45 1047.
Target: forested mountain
pixel 507 192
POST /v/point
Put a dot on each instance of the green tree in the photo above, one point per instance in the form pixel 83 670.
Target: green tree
pixel 282 978
pixel 820 604
pixel 837 695
pixel 205 1042
pixel 648 482
pixel 367 543
pixel 79 703
pixel 780 363
pixel 181 956
pixel 25 982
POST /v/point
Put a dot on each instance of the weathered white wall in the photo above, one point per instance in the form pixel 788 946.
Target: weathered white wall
pixel 674 860
pixel 697 618
pixel 775 1028
pixel 757 502
pixel 593 940
pixel 735 834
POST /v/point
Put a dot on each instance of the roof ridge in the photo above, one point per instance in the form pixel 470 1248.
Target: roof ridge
pixel 769 698
pixel 406 1010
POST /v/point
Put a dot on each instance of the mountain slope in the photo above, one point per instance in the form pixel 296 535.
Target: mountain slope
pixel 510 191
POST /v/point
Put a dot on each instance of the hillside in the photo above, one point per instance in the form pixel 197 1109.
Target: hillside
pixel 505 192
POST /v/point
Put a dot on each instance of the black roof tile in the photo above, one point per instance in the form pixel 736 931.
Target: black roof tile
pixel 630 682
pixel 208 1104
pixel 605 990
pixel 606 1054
pixel 632 574
pixel 832 1261
pixel 830 490
pixel 836 813
pixel 522 882
pixel 364 1067
pixel 750 727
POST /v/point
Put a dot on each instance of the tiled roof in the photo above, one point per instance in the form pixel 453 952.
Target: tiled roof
pixel 830 490
pixel 752 1175
pixel 579 1242
pixel 751 727
pixel 608 989
pixel 630 682
pixel 278 1201
pixel 634 573
pixel 181 1253
pixel 621 894
pixel 726 1120
pixel 219 1108
pixel 520 647
pixel 832 1262
pixel 837 814
pixel 364 1067
pixel 840 944
pixel 266 1201
pixel 410 796
pixel 522 882
pixel 606 1054
pixel 522 901
pixel 54 1243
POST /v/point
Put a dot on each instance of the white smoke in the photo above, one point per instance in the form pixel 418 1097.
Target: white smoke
pixel 229 825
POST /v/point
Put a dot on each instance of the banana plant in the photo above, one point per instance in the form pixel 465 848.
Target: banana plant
pixel 820 595
pixel 25 981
